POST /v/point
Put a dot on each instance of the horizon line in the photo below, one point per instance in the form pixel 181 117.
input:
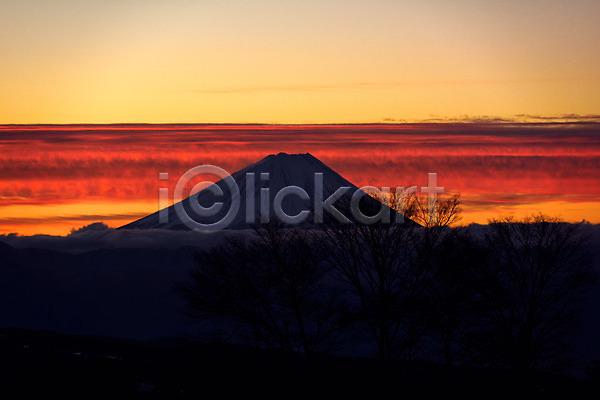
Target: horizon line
pixel 390 123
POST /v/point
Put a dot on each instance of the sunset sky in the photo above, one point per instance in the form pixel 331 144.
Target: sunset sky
pixel 74 61
pixel 500 98
pixel 56 178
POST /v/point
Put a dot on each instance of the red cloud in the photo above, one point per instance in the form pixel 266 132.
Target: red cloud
pixel 488 163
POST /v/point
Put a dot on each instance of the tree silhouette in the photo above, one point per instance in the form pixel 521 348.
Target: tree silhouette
pixel 375 262
pixel 509 299
pixel 454 308
pixel 537 272
pixel 274 285
pixel 387 265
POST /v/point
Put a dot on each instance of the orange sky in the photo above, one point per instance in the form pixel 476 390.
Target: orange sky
pixel 55 178
pixel 481 69
pixel 340 61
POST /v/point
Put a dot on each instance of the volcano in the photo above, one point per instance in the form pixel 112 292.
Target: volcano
pixel 288 189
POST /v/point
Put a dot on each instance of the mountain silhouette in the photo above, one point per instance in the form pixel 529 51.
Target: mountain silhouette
pixel 304 201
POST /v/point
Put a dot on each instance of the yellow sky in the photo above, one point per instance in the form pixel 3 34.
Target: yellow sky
pixel 295 61
pixel 61 219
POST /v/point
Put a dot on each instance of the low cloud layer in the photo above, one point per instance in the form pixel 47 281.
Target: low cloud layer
pixel 99 236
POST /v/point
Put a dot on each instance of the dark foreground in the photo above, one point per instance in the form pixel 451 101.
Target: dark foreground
pixel 44 363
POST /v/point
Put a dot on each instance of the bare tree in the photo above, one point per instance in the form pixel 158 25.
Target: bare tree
pixel 454 308
pixel 375 262
pixel 273 285
pixel 537 273
pixel 386 266
pixel 435 214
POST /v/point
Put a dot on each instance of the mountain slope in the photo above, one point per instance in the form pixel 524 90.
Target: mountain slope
pixel 258 186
